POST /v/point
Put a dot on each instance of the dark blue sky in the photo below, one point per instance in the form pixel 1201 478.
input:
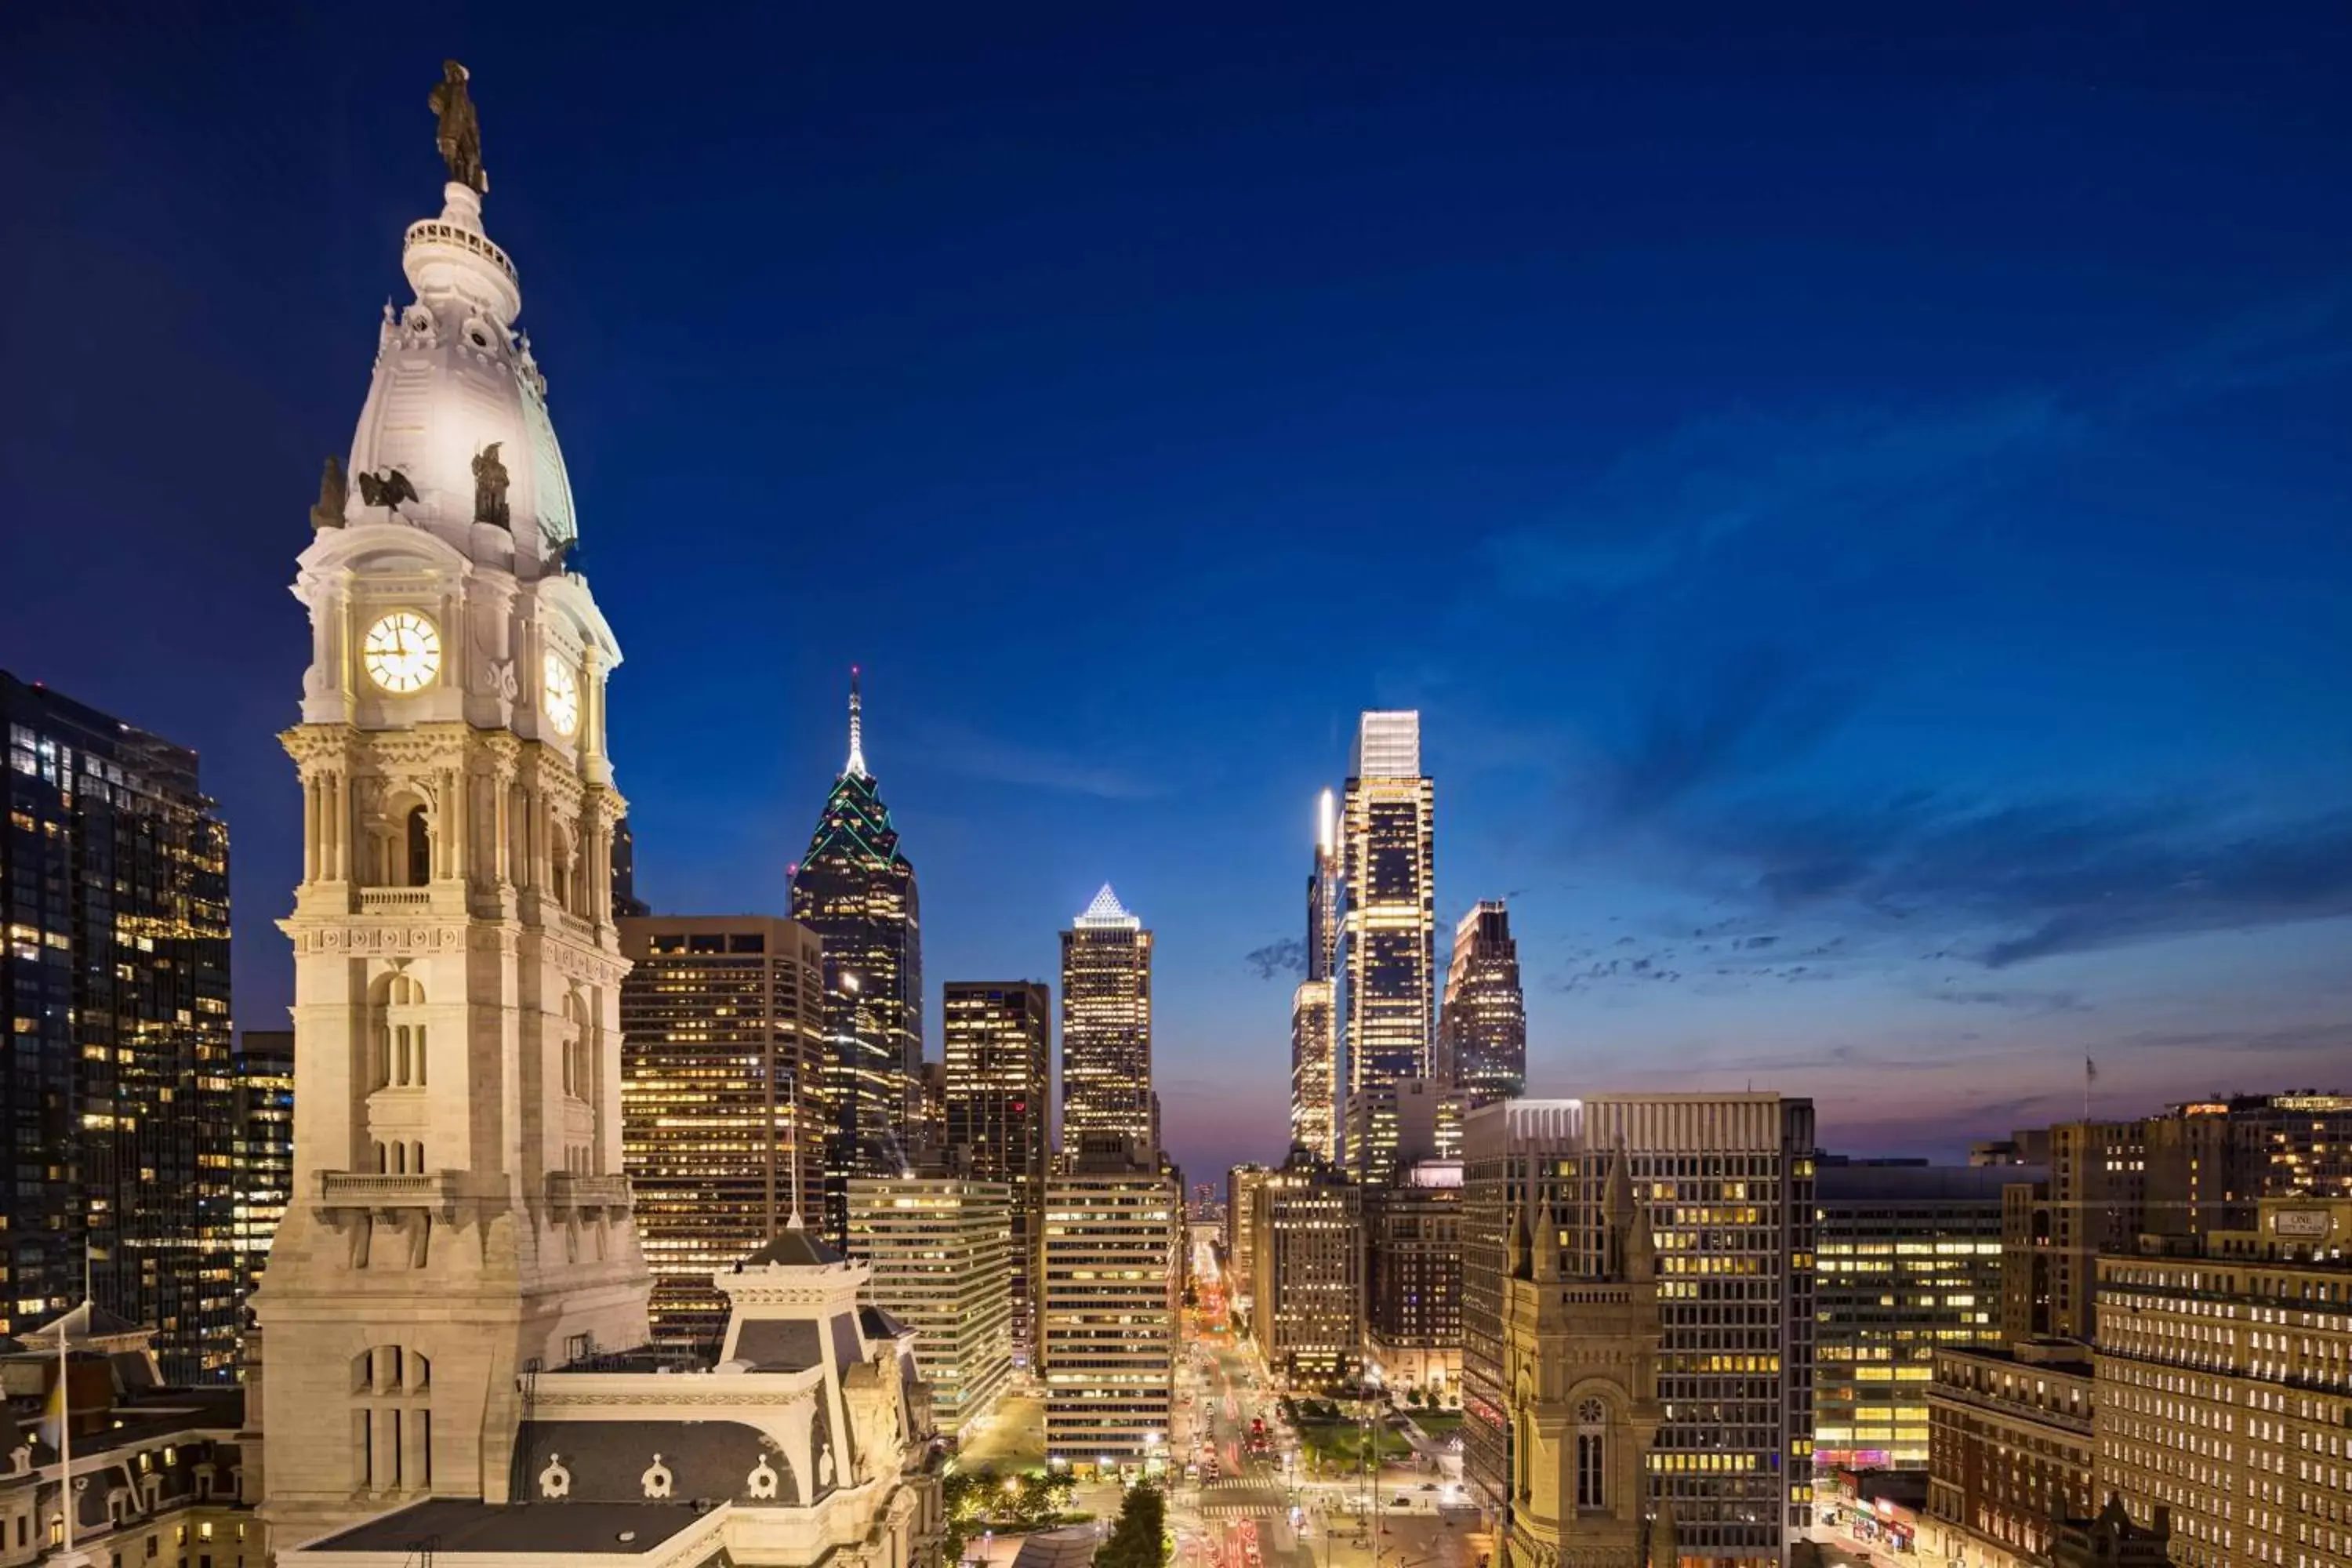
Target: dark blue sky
pixel 1860 495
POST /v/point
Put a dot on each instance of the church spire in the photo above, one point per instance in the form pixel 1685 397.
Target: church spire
pixel 856 768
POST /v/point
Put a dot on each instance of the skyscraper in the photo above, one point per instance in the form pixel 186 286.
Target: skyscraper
pixel 265 1146
pixel 999 1042
pixel 463 1215
pixel 1482 1028
pixel 1728 1182
pixel 1313 1081
pixel 626 901
pixel 856 889
pixel 723 1120
pixel 1306 1308
pixel 1387 961
pixel 1324 882
pixel 1106 1026
pixel 1114 1230
pixel 120 1098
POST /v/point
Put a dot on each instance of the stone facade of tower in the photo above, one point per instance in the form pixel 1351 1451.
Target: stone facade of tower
pixel 1581 1360
pixel 459 1214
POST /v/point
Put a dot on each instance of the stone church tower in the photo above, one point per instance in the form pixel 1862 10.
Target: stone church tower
pixel 1580 1358
pixel 459 1217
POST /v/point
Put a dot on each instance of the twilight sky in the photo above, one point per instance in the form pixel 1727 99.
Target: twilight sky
pixel 1859 494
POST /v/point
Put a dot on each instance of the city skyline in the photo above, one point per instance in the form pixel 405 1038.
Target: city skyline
pixel 1894 802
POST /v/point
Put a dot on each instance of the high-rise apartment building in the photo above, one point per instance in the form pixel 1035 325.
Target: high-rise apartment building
pixel 1387 961
pixel 1398 1122
pixel 1106 1026
pixel 1413 1271
pixel 265 1147
pixel 1314 1070
pixel 722 1112
pixel 1728 1182
pixel 2225 1387
pixel 1482 1027
pixel 856 889
pixel 2010 1449
pixel 1308 1300
pixel 1242 1184
pixel 120 1097
pixel 940 1248
pixel 1114 1231
pixel 1909 1261
pixel 999 1041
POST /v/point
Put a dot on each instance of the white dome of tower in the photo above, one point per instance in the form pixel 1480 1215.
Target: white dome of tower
pixel 457 403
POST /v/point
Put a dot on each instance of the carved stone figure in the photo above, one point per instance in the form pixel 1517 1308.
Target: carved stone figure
pixel 490 487
pixel 386 489
pixel 459 133
pixel 334 496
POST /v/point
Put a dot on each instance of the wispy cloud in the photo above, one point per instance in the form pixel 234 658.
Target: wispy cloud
pixel 1666 506
pixel 1287 956
pixel 2038 878
pixel 1736 718
pixel 959 749
pixel 1851 470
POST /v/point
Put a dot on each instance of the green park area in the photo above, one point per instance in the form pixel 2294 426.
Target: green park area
pixel 1335 1440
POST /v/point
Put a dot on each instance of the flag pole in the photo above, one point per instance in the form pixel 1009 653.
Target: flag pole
pixel 65 1439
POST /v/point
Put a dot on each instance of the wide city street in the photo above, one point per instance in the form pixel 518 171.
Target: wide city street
pixel 1244 1495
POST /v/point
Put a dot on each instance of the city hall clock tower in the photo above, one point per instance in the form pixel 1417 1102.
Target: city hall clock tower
pixel 459 1217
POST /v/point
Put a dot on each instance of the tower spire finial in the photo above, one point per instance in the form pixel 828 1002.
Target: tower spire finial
pixel 856 740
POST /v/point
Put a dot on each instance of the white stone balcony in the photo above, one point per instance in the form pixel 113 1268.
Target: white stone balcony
pixel 357 1191
pixel 396 900
pixel 569 1191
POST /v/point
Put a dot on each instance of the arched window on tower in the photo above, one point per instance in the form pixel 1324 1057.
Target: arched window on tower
pixel 1591 1455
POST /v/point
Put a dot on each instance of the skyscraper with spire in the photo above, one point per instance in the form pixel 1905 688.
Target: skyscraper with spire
pixel 1106 1026
pixel 1313 1017
pixel 856 889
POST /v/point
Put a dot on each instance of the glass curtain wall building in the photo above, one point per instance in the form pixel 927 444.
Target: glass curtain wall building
pixel 120 1093
pixel 1482 1027
pixel 1387 961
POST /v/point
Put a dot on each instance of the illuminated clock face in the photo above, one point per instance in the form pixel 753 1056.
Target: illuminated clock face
pixel 562 689
pixel 403 652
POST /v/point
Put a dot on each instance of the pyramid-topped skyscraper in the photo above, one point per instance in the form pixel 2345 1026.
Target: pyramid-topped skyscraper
pixel 1106 1026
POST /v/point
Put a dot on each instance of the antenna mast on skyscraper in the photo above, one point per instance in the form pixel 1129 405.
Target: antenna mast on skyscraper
pixel 856 743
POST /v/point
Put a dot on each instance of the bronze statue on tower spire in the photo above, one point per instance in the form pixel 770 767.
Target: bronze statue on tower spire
pixel 460 133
